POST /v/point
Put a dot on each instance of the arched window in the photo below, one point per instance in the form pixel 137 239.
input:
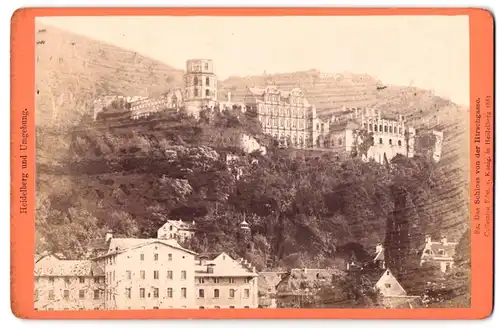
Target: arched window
pixel 399 143
pixel 390 141
pixel 385 128
pixel 390 129
pixel 380 128
pixel 380 141
pixel 207 81
pixel 375 128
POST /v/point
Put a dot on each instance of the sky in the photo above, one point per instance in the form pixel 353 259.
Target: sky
pixel 430 52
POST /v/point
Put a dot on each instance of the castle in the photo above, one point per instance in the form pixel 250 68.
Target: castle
pixel 284 114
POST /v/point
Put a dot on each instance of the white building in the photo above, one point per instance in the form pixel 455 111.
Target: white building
pixel 148 274
pixel 177 229
pixel 439 252
pixel 222 282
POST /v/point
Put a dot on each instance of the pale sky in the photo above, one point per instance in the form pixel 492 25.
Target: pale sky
pixel 430 52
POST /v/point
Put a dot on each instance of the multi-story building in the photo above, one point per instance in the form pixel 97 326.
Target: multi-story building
pixel 222 282
pixel 286 115
pixel 148 274
pixel 68 284
pixel 171 101
pixel 440 253
pixel 200 86
pixel 177 229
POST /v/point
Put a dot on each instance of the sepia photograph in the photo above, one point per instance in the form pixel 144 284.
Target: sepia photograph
pixel 219 162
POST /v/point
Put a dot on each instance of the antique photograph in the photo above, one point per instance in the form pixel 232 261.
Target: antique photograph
pixel 219 162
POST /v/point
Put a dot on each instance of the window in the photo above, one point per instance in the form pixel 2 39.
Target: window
pixel 246 307
pixel 385 128
pixel 340 141
pixel 206 67
pixel 390 141
pixel 216 280
pixel 216 307
pixel 387 285
pixel 247 293
pixel 129 274
pixel 170 292
pixel 201 293
pixel 156 274
pixel 155 308
pixel 156 256
pixel 441 252
pixel 143 274
pixel 207 81
pixel 170 228
pixel 170 257
pixel 66 294
pixel 231 307
pixel 231 280
pixel 369 127
pixel 375 128
pixel 399 143
pixel 380 127
pixel 51 280
pixel 231 293
pixel 170 275
pixel 380 141
pixel 196 92
pixel 81 294
pixel 183 275
pixel 142 257
pixel 156 292
pixel 216 293
pixel 248 280
pixel 202 307
pixel 201 280
pixel 183 292
pixel 195 80
pixel 96 280
pixel 128 292
pixel 390 129
pixel 66 280
pixel 207 92
pixel 142 292
pixel 96 294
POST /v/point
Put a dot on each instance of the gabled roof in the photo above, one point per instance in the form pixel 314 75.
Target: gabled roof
pixel 223 265
pixel 122 245
pixel 179 224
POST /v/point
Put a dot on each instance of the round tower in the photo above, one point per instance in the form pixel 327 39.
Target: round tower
pixel 200 85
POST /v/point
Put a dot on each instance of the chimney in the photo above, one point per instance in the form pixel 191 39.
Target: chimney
pixel 229 97
pixel 444 240
pixel 379 248
pixel 109 236
pixel 428 240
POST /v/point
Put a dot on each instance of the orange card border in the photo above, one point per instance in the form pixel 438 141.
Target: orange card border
pixel 22 225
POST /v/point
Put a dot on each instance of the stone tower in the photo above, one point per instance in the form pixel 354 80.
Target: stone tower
pixel 200 86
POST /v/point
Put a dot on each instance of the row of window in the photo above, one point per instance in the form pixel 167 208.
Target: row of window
pixel 380 141
pixel 207 93
pixel 97 294
pixel 197 81
pixel 286 123
pixel 67 280
pixel 281 111
pixel 216 293
pixel 142 274
pixel 156 257
pixel 385 128
pixel 277 99
pixel 156 292
pixel 217 280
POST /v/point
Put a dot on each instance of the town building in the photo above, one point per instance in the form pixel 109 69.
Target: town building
pixel 200 86
pixel 389 286
pixel 222 282
pixel 285 115
pixel 172 101
pixel 147 274
pixel 379 258
pixel 440 253
pixel 268 281
pixel 65 285
pixel 177 229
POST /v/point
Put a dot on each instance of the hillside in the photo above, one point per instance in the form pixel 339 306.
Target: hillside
pixel 72 70
pixel 93 179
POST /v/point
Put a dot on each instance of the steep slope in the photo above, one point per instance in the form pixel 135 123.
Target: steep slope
pixel 72 70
